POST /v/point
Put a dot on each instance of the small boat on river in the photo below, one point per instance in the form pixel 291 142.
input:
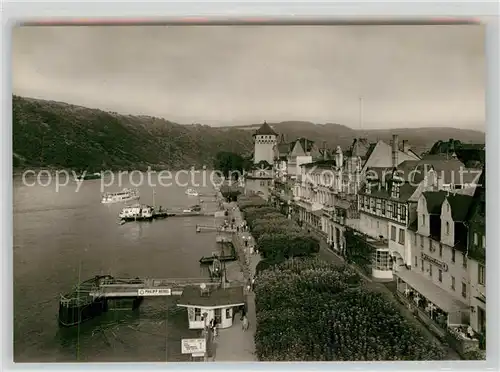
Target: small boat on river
pixel 192 192
pixel 119 197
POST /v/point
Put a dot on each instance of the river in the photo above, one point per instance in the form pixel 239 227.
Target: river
pixel 63 236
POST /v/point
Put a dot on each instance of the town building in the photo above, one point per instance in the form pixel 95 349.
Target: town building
pixel 260 178
pixel 205 304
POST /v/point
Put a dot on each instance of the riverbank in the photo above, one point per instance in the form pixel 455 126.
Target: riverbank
pixel 234 344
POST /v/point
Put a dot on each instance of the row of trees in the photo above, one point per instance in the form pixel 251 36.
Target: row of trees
pixel 277 237
pixel 310 310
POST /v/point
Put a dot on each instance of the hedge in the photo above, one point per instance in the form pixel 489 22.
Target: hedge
pixel 309 310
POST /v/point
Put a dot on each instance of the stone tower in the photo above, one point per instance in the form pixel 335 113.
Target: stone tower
pixel 265 138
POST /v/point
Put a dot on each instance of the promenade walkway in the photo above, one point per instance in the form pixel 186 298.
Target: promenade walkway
pixel 233 344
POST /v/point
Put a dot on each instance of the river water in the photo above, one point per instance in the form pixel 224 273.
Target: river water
pixel 63 236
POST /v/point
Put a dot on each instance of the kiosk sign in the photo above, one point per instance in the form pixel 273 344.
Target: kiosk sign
pixel 155 292
pixel 193 346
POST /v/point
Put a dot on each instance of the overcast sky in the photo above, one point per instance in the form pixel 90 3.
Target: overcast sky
pixel 223 75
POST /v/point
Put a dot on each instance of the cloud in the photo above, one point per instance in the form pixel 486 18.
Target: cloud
pixel 408 75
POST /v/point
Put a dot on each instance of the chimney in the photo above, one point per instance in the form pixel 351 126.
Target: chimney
pixel 395 149
pixel 406 147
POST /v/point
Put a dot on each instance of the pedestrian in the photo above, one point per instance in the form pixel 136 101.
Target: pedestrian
pixel 245 323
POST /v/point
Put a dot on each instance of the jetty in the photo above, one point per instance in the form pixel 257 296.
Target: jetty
pixel 126 287
pixel 201 228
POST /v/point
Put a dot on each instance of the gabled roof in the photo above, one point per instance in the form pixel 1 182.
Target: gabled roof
pixel 264 130
pixel 460 205
pixel 191 296
pixel 307 144
pixel 434 201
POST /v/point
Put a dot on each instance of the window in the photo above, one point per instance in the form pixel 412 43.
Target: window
pixel 481 273
pixel 440 250
pixel 447 228
pixel 464 290
pixel 228 313
pixel 423 219
pixel 401 236
pixel 422 265
pixel 475 239
pixel 421 241
pixel 402 213
pixel 379 205
pixel 383 206
pixel 393 233
pixel 464 261
pixel 396 211
pixel 389 209
pixel 372 202
pixel 381 260
pixel 378 225
pixel 440 275
pixel 197 314
pixel 453 282
pixel 430 270
pixel 452 255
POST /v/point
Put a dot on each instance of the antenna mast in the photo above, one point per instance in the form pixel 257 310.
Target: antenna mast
pixel 360 113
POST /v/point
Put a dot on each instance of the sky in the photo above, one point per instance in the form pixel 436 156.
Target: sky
pixel 408 76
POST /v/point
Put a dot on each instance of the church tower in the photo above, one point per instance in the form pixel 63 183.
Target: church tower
pixel 265 138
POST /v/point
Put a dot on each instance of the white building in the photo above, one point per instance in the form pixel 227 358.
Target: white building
pixel 259 180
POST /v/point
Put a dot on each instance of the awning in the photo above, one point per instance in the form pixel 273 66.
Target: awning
pixel 431 291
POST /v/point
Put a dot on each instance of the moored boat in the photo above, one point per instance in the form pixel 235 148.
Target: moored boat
pixel 192 192
pixel 89 176
pixel 122 196
pixel 137 212
pixel 78 305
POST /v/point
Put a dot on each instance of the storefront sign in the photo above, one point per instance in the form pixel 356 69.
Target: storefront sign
pixel 193 345
pixel 442 265
pixel 155 292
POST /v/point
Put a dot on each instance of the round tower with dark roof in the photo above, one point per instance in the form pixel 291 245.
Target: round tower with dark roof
pixel 265 138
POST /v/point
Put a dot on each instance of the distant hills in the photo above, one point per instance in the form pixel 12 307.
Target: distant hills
pixel 57 134
pixel 420 139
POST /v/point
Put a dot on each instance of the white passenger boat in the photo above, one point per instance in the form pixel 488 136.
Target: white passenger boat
pixel 192 192
pixel 121 196
pixel 137 212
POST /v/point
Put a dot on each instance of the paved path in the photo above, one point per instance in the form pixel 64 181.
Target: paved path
pixel 234 344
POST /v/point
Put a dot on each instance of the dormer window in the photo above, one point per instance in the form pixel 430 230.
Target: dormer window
pixel 447 228
pixel 423 219
pixel 395 191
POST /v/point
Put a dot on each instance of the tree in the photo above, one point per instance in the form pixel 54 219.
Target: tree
pixel 310 310
pixel 230 164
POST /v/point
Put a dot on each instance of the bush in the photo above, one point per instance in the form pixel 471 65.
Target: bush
pixel 287 244
pixel 310 310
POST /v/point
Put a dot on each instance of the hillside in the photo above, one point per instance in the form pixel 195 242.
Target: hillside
pixel 420 139
pixel 56 134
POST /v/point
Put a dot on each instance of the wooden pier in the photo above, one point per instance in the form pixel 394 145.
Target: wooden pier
pixel 119 287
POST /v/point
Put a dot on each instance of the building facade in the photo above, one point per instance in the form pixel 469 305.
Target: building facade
pixel 259 179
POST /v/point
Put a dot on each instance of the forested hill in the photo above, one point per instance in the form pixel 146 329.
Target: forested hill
pixel 56 134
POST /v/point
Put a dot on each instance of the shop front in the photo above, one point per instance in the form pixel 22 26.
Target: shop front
pixel 434 305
